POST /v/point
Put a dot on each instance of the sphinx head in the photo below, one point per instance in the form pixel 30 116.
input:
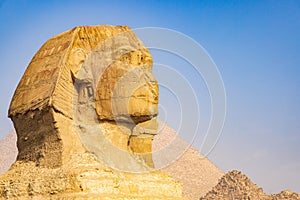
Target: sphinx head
pixel 115 103
pixel 88 89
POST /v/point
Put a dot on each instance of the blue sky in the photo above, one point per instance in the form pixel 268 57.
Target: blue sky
pixel 255 45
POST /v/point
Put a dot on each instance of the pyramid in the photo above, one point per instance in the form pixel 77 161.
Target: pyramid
pixel 235 185
pixel 197 174
pixel 8 151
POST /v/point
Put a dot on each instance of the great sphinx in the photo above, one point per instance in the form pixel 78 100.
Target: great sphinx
pixel 86 106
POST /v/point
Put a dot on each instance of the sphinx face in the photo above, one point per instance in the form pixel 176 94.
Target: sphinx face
pixel 127 90
pixel 117 103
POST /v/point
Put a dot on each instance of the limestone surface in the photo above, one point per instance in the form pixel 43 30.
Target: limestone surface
pixel 85 117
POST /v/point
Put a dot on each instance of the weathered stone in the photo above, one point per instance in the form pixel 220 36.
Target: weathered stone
pixel 84 114
pixel 84 178
pixel 148 127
